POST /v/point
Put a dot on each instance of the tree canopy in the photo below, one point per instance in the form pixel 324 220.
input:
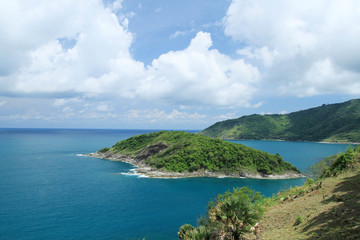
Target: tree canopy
pixel 179 151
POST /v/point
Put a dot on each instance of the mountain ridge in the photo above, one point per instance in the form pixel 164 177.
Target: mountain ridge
pixel 339 122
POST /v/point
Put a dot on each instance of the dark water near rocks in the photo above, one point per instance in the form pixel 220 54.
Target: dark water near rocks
pixel 49 191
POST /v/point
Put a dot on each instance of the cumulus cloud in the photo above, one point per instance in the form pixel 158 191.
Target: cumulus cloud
pixel 306 47
pixel 200 75
pixel 34 48
pixel 77 48
pixel 262 54
pixel 197 75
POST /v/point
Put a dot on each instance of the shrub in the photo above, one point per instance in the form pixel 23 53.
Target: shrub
pixel 230 216
pixel 186 232
pixel 335 164
pixel 104 150
pixel 341 162
pixel 298 220
pixel 309 181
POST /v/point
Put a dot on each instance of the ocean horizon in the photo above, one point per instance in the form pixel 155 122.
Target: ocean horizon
pixel 50 191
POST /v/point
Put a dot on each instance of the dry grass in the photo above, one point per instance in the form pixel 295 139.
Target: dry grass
pixel 331 211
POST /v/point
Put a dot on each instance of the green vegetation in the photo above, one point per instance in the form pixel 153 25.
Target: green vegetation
pixel 104 150
pixel 178 151
pixel 333 123
pixel 333 165
pixel 298 220
pixel 229 217
pixel 327 208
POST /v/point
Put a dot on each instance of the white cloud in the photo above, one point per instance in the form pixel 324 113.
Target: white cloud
pixel 156 115
pixel 263 54
pixel 103 108
pixel 67 109
pixel 98 60
pixel 116 5
pixel 307 47
pixel 39 62
pixel 2 103
pixel 159 9
pixel 30 115
pixel 66 101
pixel 223 117
pixel 266 113
pixel 321 78
pixel 59 102
pixel 178 33
pixel 200 76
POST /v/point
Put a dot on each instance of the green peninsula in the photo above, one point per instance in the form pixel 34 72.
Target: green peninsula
pixel 185 154
pixel 327 123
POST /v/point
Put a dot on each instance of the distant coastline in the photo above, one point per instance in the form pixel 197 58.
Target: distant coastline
pixel 338 123
pixel 354 143
pixel 147 171
pixel 281 140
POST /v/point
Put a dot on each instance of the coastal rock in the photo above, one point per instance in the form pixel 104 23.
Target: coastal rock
pixel 148 171
pixel 150 151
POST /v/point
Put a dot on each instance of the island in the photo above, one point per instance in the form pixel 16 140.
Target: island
pixel 338 122
pixel 177 154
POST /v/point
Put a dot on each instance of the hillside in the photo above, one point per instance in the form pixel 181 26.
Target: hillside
pixel 325 209
pixel 328 209
pixel 183 152
pixel 333 123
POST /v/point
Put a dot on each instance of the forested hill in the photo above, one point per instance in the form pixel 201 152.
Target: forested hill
pixel 177 151
pixel 333 123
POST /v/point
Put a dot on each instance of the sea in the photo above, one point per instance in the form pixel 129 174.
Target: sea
pixel 49 190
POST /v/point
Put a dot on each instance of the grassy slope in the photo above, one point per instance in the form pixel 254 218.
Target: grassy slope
pixel 334 122
pixel 331 211
pixel 180 151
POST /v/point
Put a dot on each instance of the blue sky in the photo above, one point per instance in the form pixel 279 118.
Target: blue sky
pixel 172 64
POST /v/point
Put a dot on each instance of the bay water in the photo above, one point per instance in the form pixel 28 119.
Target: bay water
pixel 48 190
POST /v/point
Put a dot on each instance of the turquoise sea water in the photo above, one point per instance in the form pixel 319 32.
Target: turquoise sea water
pixel 49 191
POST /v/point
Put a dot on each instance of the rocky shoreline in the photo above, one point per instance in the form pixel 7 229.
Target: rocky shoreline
pixel 147 171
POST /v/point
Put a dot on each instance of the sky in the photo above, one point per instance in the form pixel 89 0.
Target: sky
pixel 172 64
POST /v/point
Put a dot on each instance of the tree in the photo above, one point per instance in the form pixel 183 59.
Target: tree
pixel 231 216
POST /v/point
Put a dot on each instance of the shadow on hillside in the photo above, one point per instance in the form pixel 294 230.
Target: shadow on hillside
pixel 343 220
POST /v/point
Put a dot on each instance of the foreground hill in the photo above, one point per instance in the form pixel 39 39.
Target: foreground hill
pixel 328 209
pixel 325 209
pixel 333 123
pixel 162 153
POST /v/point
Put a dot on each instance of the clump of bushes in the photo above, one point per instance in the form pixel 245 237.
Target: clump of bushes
pixel 309 182
pixel 104 150
pixel 335 164
pixel 298 220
